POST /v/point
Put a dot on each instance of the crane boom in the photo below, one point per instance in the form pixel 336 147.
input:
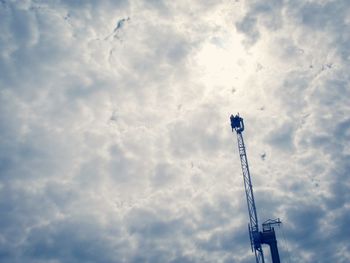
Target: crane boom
pixel 257 238
pixel 238 125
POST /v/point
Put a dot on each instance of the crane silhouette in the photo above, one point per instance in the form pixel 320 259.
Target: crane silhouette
pixel 267 235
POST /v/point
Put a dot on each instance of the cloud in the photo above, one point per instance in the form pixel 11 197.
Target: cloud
pixel 119 149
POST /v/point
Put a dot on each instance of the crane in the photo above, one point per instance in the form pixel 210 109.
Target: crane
pixel 267 235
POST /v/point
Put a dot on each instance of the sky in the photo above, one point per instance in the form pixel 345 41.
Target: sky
pixel 115 140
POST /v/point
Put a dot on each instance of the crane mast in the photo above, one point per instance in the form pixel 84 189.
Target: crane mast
pixel 257 238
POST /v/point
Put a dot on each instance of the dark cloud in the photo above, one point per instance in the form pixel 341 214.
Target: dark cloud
pixel 248 25
pixel 282 137
pixel 260 14
pixel 72 241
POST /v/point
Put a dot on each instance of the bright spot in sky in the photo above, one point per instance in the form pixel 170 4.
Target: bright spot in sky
pixel 223 61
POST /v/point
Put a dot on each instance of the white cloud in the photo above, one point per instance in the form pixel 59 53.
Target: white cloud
pixel 116 145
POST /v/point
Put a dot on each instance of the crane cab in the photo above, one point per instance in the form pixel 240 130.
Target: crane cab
pixel 237 123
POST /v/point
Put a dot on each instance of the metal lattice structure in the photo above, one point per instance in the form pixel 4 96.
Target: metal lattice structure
pixel 257 238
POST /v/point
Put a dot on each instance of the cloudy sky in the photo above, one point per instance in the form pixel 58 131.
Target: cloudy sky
pixel 115 141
